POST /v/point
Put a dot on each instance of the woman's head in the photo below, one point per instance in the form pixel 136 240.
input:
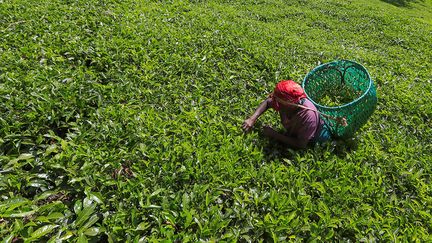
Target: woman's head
pixel 287 92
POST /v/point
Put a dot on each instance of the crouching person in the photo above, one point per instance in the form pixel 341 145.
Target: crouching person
pixel 298 115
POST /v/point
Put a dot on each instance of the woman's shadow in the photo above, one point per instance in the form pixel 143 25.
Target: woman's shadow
pixel 401 3
pixel 274 150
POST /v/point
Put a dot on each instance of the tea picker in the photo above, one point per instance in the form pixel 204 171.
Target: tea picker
pixel 299 116
pixel 334 101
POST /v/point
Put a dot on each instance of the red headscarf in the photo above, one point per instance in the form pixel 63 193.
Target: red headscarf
pixel 289 91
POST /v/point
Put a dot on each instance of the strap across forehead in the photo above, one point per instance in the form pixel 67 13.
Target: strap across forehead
pixel 282 101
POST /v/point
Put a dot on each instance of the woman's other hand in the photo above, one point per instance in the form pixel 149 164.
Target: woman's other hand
pixel 268 131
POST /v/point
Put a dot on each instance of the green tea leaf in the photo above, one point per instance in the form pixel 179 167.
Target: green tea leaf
pixel 66 236
pixel 77 206
pixel 82 239
pixel 25 156
pixel 44 230
pixel 19 215
pixel 9 238
pixel 92 231
pixel 92 220
pixel 143 226
pixel 54 215
pixel 12 203
pixel 84 214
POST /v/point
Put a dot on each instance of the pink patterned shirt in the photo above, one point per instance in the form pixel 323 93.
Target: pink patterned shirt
pixel 304 124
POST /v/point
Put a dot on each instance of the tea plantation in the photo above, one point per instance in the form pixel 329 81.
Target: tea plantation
pixel 120 121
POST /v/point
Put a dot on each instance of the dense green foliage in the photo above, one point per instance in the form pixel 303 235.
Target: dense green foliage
pixel 120 120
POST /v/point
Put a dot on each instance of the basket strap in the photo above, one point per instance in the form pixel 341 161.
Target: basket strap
pixel 340 120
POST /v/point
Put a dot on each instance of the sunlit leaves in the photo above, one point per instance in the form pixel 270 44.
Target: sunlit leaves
pixel 120 121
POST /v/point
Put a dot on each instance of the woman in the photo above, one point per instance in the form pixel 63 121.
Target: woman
pixel 299 117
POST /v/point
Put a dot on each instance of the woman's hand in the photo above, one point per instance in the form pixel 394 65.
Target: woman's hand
pixel 248 124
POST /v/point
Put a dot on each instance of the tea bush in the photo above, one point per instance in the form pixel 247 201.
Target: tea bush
pixel 120 121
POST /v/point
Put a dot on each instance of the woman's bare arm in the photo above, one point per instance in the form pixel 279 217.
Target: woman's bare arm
pixel 250 122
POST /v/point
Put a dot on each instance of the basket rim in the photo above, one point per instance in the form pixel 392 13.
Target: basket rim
pixel 305 80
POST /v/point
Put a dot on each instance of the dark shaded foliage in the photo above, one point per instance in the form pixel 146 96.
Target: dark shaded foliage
pixel 402 3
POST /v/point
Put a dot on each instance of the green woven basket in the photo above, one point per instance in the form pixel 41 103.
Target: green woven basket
pixel 342 89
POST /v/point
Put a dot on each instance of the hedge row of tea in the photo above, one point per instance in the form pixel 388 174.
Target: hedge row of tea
pixel 120 121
